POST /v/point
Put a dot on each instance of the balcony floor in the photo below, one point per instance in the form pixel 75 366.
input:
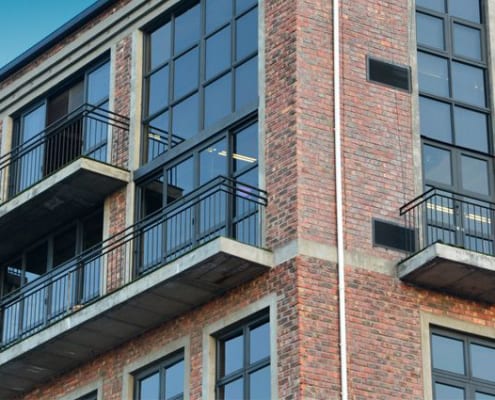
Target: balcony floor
pixel 161 295
pixel 452 270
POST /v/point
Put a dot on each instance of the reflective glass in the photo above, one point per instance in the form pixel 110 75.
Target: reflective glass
pixel 158 136
pixel 437 165
pixel 218 99
pixel 213 161
pixel 430 31
pixel 243 5
pixel 187 26
pixel 218 52
pixel 160 45
pixel 180 180
pixel 259 384
pixel 259 342
pixel 233 390
pixel 218 12
pixel 98 84
pixel 471 129
pixel 447 354
pixel 158 90
pixel 246 83
pixel 474 175
pixel 467 9
pixel 186 73
pixel 468 84
pixel 447 392
pixel 433 74
pixel 484 396
pixel 246 147
pixel 185 119
pixel 247 34
pixel 467 41
pixel 482 360
pixel 149 388
pixel 174 380
pixel 435 119
pixel 436 5
pixel 232 352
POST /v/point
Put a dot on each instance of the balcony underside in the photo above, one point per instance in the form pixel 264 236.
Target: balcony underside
pixel 71 192
pixel 161 295
pixel 452 270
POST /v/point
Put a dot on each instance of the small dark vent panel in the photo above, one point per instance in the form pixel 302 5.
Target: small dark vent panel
pixel 389 74
pixel 392 236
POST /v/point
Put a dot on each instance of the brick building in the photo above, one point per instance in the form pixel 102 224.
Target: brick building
pixel 251 199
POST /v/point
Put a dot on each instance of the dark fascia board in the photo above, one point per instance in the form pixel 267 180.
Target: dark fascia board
pixel 69 27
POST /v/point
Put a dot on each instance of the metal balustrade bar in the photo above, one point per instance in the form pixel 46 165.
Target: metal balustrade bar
pixel 221 207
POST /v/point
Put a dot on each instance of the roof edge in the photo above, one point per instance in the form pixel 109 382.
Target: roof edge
pixel 53 38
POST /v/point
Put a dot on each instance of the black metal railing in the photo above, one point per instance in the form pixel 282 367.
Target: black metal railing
pixel 451 218
pixel 222 207
pixel 82 133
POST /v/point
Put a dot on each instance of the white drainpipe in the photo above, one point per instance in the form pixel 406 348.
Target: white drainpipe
pixel 339 198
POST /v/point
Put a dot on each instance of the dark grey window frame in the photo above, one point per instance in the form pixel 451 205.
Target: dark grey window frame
pixel 203 82
pixel 160 367
pixel 232 331
pixel 469 383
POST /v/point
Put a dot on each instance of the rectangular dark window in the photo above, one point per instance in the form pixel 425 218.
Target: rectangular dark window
pixel 163 380
pixel 89 396
pixel 389 74
pixel 243 360
pixel 393 236
pixel 462 366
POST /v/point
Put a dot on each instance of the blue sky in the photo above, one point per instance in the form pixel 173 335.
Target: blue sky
pixel 23 23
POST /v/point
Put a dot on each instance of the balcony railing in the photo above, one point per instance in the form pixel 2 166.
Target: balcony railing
pixel 222 207
pixel 450 218
pixel 84 132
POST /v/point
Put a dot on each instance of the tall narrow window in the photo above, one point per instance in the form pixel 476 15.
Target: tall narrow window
pixel 201 68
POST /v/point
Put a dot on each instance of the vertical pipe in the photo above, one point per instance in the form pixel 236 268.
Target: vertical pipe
pixel 339 199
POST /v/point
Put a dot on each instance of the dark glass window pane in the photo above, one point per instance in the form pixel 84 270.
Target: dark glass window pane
pixel 467 41
pixel 174 380
pixel 233 390
pixel 186 71
pixel 213 161
pixel 243 5
pixel 447 392
pixel 430 31
pixel 232 353
pixel 160 45
pixel 435 119
pixel 447 354
pixel 437 165
pixel 468 84
pixel 471 129
pixel 218 12
pixel 180 180
pixel 247 34
pixel 158 90
pixel 98 84
pixel 259 341
pixel 185 119
pixel 259 385
pixel 12 277
pixel 218 99
pixel 64 246
pixel 158 136
pixel 482 359
pixel 433 74
pixel 218 52
pixel 246 83
pixel 467 9
pixel 149 388
pixel 187 27
pixel 437 5
pixel 92 231
pixel 474 174
pixel 484 396
pixel 36 262
pixel 246 147
pixel 152 195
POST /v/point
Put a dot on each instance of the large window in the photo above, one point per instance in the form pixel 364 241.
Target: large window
pixel 462 366
pixel 161 381
pixel 243 361
pixel 201 69
pixel 455 122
